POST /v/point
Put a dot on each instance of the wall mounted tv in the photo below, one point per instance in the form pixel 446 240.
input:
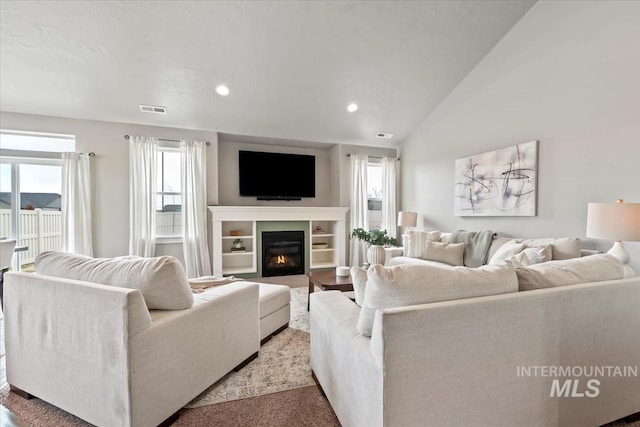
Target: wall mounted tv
pixel 277 176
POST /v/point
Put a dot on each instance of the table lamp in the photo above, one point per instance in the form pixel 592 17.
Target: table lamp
pixel 614 221
pixel 407 219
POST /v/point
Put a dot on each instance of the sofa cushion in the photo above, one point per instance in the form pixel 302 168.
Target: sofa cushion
pixel 162 280
pixel 412 284
pixel 359 279
pixel 561 247
pixel 449 253
pixel 595 268
pixel 414 241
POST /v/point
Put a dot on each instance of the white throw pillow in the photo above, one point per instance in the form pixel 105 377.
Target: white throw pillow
pixel 359 279
pixel 506 252
pixel 162 280
pixel 539 254
pixel 594 268
pixel 411 284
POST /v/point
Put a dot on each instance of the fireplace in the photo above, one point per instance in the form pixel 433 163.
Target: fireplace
pixel 282 253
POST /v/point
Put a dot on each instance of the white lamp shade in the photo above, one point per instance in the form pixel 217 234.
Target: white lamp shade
pixel 407 219
pixel 614 221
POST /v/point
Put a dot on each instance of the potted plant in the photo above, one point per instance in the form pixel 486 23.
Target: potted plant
pixel 237 245
pixel 377 240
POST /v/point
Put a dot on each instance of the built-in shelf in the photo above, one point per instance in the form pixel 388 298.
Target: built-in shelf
pixel 243 218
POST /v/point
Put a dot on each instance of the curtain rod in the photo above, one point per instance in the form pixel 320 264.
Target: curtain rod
pixel 127 137
pixel 373 157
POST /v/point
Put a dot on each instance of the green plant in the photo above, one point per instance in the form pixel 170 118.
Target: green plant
pixel 237 243
pixel 374 237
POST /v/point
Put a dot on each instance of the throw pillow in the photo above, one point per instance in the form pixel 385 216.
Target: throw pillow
pixel 161 280
pixel 412 284
pixel 449 253
pixel 414 241
pixel 538 254
pixel 506 251
pixel 359 279
pixel 594 268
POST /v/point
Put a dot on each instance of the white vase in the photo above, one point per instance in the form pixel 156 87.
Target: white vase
pixel 376 255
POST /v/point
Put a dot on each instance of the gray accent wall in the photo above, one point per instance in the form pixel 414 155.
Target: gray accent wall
pixel 282 226
pixel 568 75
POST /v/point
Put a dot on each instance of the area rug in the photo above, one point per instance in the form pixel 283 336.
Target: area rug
pixel 282 363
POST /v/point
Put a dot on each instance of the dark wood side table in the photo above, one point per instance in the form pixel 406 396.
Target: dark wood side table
pixel 328 281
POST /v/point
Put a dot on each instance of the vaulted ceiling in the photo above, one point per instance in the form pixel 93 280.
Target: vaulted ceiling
pixel 292 67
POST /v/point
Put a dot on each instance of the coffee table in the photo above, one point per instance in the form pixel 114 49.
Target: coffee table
pixel 328 281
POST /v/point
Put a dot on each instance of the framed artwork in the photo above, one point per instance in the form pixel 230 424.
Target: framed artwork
pixel 498 183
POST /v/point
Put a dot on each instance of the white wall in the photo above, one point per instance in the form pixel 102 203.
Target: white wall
pixel 110 170
pixel 568 75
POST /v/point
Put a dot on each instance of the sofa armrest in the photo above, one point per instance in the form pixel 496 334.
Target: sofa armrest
pixel 67 343
pixel 342 361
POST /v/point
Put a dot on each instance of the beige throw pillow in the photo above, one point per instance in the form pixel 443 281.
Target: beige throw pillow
pixel 162 280
pixel 411 284
pixel 449 253
pixel 414 241
pixel 594 268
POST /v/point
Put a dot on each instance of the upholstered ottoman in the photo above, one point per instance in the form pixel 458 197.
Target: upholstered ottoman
pixel 275 310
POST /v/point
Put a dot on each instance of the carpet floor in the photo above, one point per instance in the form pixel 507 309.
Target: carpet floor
pixel 282 363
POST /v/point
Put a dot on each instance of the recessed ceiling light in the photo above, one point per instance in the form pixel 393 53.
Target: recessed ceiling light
pixel 352 107
pixel 222 90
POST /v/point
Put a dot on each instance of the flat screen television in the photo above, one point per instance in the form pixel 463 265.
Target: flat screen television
pixel 277 176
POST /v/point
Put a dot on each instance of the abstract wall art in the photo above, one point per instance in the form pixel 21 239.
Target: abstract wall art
pixel 498 183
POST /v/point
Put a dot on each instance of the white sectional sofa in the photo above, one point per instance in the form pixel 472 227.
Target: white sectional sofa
pixel 129 345
pixel 450 347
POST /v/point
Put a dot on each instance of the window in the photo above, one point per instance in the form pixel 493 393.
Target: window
pixel 168 193
pixel 374 185
pixel 33 141
pixel 30 192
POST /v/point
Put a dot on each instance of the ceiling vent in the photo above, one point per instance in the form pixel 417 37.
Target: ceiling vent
pixel 153 109
pixel 384 135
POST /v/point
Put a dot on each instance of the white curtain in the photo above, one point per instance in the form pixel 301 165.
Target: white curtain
pixel 194 208
pixel 76 204
pixel 389 196
pixel 359 201
pixel 142 195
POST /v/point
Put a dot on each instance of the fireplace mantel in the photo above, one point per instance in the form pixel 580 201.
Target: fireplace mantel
pixel 228 219
pixel 278 213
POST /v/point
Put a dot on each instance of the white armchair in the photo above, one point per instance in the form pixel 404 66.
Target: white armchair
pixel 98 352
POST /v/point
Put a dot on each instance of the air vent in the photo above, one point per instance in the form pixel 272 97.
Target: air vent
pixel 153 109
pixel 384 135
